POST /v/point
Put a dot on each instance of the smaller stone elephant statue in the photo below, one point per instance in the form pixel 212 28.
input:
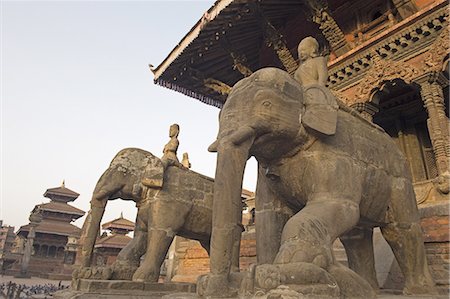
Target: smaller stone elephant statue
pixel 181 206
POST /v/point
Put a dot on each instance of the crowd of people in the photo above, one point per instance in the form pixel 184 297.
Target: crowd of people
pixel 12 290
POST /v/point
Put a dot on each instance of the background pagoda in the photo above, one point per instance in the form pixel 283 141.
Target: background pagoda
pixel 55 241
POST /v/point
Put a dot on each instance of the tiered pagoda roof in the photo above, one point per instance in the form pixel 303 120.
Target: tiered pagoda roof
pixel 117 239
pixel 54 227
pixel 61 194
pixel 56 214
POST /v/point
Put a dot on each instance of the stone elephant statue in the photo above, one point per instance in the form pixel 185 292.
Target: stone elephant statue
pixel 182 206
pixel 324 173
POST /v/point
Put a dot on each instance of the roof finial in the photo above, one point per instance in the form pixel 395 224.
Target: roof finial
pixel 121 215
pixel 63 185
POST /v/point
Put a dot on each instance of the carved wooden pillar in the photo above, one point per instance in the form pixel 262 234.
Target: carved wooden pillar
pixel 431 85
pixel 367 110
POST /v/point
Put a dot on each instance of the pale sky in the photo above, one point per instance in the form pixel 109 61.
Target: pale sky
pixel 76 88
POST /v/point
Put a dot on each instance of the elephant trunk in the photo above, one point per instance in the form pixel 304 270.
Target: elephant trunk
pixel 227 211
pixel 90 230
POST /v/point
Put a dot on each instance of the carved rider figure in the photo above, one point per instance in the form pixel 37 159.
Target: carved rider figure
pixel 321 106
pixel 313 68
pixel 170 149
pixel 153 175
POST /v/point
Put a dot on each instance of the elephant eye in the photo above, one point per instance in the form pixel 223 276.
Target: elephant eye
pixel 266 104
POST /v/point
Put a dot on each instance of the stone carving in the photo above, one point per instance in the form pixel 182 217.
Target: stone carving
pixel 169 157
pixel 312 188
pixel 312 73
pixel 313 68
pixel 182 206
pixel 185 162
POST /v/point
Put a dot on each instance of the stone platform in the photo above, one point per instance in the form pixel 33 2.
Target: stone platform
pixel 124 289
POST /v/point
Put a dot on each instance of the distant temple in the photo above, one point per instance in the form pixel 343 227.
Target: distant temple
pixel 108 246
pixel 7 237
pixel 55 241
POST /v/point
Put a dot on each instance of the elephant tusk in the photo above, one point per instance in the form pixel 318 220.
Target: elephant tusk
pixel 213 147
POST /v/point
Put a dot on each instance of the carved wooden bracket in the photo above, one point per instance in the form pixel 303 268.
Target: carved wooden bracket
pixel 274 39
pixel 239 60
pixel 330 29
pixel 438 51
pixel 217 86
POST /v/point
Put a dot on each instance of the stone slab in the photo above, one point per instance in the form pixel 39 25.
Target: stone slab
pixel 136 287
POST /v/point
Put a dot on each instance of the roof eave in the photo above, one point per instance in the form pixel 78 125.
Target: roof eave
pixel 213 12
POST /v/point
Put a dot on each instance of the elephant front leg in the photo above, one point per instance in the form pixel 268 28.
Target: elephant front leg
pixel 271 216
pixel 308 237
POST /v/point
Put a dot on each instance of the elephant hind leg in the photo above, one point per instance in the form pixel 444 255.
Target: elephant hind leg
pixel 404 236
pixel 159 241
pixel 358 244
pixel 407 245
pixel 166 217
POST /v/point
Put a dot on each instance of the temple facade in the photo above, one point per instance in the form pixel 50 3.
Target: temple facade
pixel 387 59
pixel 48 243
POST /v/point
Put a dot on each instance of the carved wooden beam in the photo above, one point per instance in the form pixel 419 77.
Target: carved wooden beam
pixel 405 7
pixel 383 70
pixel 275 40
pixel 330 29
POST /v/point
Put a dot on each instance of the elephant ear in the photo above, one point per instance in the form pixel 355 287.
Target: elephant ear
pixel 153 174
pixel 320 109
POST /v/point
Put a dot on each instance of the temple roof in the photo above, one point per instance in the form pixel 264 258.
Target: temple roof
pixel 61 207
pixel 113 241
pixel 53 227
pixel 205 52
pixel 61 194
pixel 237 37
pixel 119 223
